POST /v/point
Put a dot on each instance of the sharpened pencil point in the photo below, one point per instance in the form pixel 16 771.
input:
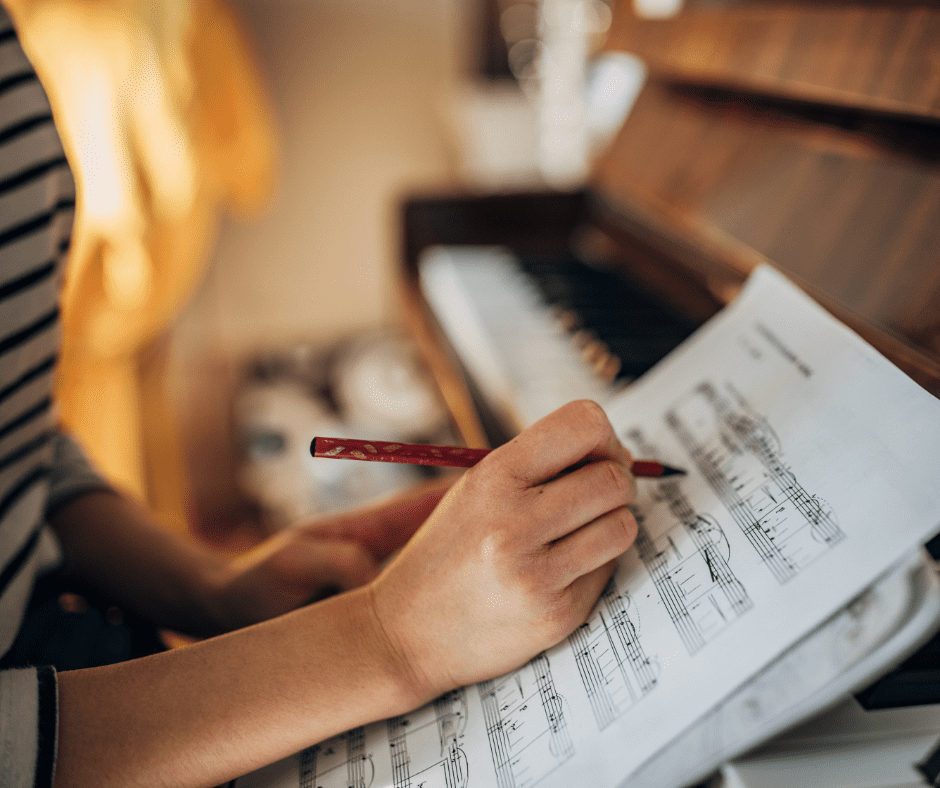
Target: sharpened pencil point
pixel 668 470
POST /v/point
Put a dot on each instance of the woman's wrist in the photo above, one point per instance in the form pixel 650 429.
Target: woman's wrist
pixel 366 654
pixel 416 686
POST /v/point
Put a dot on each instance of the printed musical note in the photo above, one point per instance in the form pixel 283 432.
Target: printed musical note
pixel 739 455
pixel 612 664
pixel 525 724
pixel 688 558
pixel 340 762
pixel 437 728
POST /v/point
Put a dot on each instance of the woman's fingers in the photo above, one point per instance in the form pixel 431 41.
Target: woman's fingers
pixel 582 496
pixel 574 433
pixel 584 592
pixel 385 526
pixel 594 545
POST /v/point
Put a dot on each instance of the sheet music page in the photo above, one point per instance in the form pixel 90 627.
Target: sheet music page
pixel 812 465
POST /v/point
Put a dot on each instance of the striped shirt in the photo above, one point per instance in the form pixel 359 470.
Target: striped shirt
pixel 39 467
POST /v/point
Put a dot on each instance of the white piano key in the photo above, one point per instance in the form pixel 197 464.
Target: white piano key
pixel 518 354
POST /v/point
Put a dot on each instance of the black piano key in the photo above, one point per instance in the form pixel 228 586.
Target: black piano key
pixel 915 682
pixel 614 325
pixel 606 312
pixel 930 767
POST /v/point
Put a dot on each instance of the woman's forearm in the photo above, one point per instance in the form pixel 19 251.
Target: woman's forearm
pixel 115 545
pixel 206 713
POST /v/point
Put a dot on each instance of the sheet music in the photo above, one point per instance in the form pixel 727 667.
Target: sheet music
pixel 812 466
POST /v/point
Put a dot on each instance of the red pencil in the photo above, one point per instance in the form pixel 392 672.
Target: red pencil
pixel 449 456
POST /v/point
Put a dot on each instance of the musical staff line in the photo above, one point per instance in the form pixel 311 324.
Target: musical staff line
pixel 611 661
pixel 525 724
pixel 739 455
pixel 688 562
pixel 340 762
pixel 435 728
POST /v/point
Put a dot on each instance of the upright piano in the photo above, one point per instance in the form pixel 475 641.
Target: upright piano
pixel 804 134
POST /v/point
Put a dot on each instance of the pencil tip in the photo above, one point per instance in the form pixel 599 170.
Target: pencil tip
pixel 313 447
pixel 668 470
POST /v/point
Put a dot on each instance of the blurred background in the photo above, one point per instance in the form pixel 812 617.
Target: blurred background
pixel 241 164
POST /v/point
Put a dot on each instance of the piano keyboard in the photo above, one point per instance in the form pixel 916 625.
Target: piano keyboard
pixel 535 334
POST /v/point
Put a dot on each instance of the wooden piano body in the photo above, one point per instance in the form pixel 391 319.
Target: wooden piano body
pixel 804 134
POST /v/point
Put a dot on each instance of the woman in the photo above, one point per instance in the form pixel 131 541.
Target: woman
pixel 503 564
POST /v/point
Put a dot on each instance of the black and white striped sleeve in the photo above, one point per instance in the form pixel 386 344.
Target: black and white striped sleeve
pixel 28 703
pixel 39 468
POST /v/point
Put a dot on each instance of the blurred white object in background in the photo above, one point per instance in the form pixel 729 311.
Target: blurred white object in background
pixel 566 99
pixel 277 421
pixel 657 9
pixel 613 84
pixel 583 96
pixel 384 392
pixel 566 27
pixel 370 386
pixel 496 129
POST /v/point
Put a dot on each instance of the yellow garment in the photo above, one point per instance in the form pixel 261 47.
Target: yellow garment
pixel 164 122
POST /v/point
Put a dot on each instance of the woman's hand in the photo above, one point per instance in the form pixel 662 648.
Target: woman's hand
pixel 514 557
pixel 313 561
pixel 510 561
